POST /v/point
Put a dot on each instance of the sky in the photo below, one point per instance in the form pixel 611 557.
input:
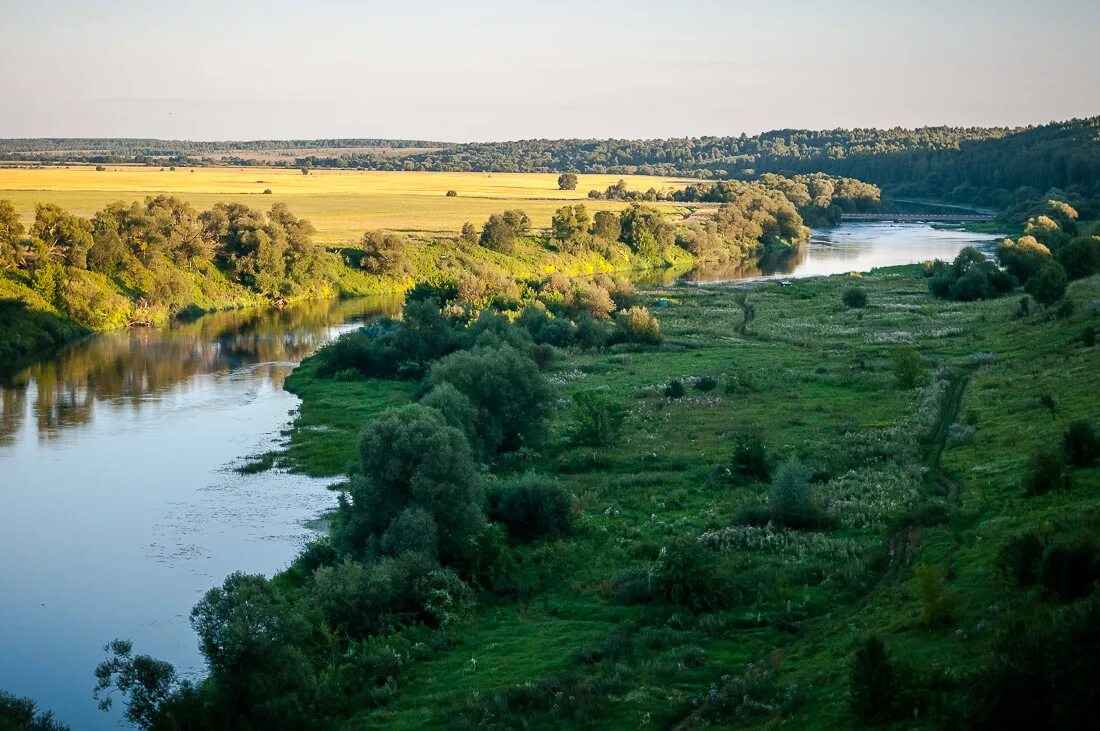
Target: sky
pixel 490 70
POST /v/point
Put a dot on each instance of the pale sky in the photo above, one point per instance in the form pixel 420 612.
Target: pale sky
pixel 473 70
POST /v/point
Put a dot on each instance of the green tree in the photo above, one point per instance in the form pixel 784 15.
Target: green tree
pixel 908 366
pixel 1023 257
pixel 502 229
pixel 11 236
pixel 873 681
pixel 146 683
pixel 645 230
pixel 1049 285
pixel 790 498
pixel 409 457
pixel 504 384
pixel 61 236
pixel 251 635
pixel 569 222
pixel 597 419
pixel 22 714
pixel 385 253
pixel 567 181
pixel 469 233
pixel 532 507
pixel 606 226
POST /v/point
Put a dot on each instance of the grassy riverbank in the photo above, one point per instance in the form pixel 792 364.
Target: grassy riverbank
pixel 919 491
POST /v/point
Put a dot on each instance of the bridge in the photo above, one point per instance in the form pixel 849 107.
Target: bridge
pixel 918 217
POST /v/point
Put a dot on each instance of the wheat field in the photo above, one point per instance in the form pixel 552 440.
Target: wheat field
pixel 342 204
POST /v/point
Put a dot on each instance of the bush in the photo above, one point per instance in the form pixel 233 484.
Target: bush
pixel 1041 676
pixel 790 498
pixel 1071 568
pixel 855 297
pixel 567 181
pixel 1049 285
pixel 935 603
pixel 908 367
pixel 873 682
pixel 1019 558
pixel 674 389
pixel 686 574
pixel 597 419
pixel 749 461
pixel 706 384
pixel 1045 471
pixel 532 507
pixel 452 193
pixel 1081 444
pixel 1088 336
pixel 636 325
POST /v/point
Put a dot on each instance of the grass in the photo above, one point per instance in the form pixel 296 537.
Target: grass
pixel 813 378
pixel 342 204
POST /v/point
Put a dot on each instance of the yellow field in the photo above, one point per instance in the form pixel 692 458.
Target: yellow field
pixel 342 204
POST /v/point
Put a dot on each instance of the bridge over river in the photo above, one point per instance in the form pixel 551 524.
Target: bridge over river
pixel 918 217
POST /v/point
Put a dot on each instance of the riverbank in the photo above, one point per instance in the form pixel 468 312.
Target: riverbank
pixel 918 487
pixel 25 332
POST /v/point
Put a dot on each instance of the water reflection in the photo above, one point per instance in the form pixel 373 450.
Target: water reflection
pixel 132 368
pixel 852 247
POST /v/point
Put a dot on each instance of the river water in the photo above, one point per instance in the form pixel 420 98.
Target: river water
pixel 119 504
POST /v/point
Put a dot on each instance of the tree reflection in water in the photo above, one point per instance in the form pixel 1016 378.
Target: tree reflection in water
pixel 130 369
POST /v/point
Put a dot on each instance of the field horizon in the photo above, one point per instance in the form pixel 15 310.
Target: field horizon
pixel 341 204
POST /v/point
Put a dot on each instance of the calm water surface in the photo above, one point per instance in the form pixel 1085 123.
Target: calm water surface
pixel 858 247
pixel 119 505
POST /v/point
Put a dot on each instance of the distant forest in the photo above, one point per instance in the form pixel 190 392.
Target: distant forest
pixel 995 167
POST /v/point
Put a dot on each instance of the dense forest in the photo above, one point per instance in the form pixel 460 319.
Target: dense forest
pixel 993 167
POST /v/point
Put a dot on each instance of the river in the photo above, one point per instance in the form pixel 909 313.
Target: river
pixel 120 502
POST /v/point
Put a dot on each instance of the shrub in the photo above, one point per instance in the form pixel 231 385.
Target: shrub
pixel 1049 285
pixel 1045 471
pixel 1019 558
pixel 686 573
pixel 532 507
pixel 1042 676
pixel 1088 336
pixel 706 384
pixel 1071 568
pixel 674 389
pixel 1081 444
pixel 873 682
pixel 452 193
pixel 790 498
pixel 384 253
pixel 597 419
pixel 935 602
pixel 567 181
pixel 855 297
pixel 908 367
pixel 267 191
pixel 637 325
pixel 749 461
